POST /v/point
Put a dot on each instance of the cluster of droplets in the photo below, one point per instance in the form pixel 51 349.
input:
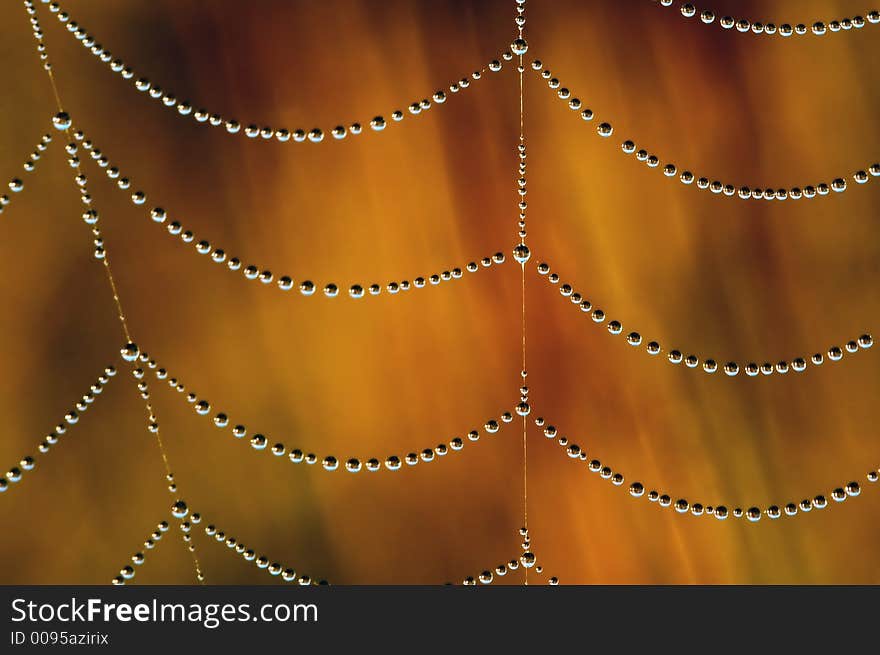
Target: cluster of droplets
pixel 16 184
pixel 687 178
pixel 709 365
pixel 254 130
pixel 683 506
pixel 252 272
pixel 261 442
pixel 132 354
pixel 71 417
pixel 127 572
pixel 261 561
pixel 527 561
pixel 745 26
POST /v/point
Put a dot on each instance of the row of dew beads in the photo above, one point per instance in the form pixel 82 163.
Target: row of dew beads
pixel 527 560
pixel 260 442
pixel 27 463
pixel 253 130
pixel 676 356
pixel 261 561
pixel 253 272
pixel 127 572
pixel 686 177
pixel 16 184
pixel 683 506
pixel 746 26
pixel 179 510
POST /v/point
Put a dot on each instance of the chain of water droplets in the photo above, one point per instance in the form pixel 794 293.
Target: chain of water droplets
pixel 528 560
pixel 288 574
pixel 253 272
pixel 683 506
pixel 189 519
pixel 709 365
pixel 717 187
pixel 62 122
pixel 128 571
pixel 488 576
pixel 71 417
pixel 16 184
pixel 253 130
pixel 746 26
pixel 276 569
pixel 261 442
pixel 521 255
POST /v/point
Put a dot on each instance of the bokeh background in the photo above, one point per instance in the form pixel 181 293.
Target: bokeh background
pixel 726 279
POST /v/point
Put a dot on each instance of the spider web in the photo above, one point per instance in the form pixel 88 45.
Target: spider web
pixel 143 367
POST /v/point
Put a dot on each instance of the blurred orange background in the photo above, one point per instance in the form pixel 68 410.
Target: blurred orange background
pixel 723 278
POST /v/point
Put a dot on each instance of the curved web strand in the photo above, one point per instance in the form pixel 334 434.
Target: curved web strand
pixel 527 560
pixel 494 575
pixel 353 464
pixel 741 25
pixel 683 506
pixel 285 283
pixel 676 356
pixel 605 129
pixel 253 129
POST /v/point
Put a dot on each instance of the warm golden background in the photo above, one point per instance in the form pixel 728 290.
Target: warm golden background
pixel 725 278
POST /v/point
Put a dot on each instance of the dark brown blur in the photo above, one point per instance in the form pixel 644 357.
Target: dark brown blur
pixel 725 278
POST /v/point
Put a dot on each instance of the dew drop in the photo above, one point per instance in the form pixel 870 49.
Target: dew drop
pixel 179 509
pixel 519 47
pixel 130 352
pixel 61 120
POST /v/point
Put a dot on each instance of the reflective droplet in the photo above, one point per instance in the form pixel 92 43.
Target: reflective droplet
pixel 61 120
pixel 521 253
pixel 130 352
pixel 179 509
pixel 519 47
